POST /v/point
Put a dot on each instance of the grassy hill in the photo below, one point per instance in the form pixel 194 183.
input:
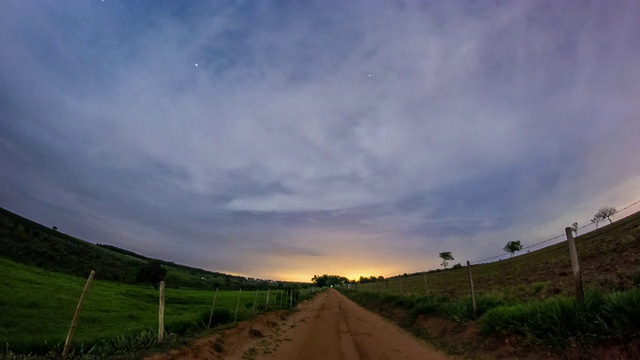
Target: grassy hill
pixel 36 307
pixel 609 258
pixel 526 305
pixel 27 242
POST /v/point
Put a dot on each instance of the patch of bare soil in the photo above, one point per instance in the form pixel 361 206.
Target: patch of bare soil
pixel 330 326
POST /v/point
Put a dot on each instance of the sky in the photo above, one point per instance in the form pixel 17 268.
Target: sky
pixel 279 140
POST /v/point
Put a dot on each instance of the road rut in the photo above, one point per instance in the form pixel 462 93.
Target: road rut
pixel 328 327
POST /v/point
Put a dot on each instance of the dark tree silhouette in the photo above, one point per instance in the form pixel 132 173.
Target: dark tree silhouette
pixel 446 257
pixel 329 280
pixel 153 272
pixel 512 247
pixel 605 213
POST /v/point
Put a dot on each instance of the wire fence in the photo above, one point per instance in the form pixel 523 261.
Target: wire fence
pixel 560 236
pixel 542 274
pixel 113 315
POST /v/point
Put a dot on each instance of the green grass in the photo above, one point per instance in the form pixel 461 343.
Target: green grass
pixel 531 296
pixel 460 310
pixel 560 321
pixel 37 307
pixel 30 243
pixel 609 259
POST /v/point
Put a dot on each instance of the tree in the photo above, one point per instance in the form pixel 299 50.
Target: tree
pixel 512 247
pixel 329 280
pixel 446 257
pixel 153 272
pixel 574 228
pixel 605 213
pixel 595 220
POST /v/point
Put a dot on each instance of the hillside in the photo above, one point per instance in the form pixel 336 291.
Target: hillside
pixel 29 243
pixel 526 305
pixel 609 259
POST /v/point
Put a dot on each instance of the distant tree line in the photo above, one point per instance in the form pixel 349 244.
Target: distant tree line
pixel 329 280
pixel 370 279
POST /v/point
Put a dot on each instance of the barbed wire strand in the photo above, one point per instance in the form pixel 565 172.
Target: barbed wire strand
pixel 550 239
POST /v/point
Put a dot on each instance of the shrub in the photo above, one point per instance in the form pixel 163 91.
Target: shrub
pixel 219 317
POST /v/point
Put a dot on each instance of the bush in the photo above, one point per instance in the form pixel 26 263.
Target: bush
pixel 219 317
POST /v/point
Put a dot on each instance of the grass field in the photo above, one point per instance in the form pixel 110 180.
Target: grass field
pixel 609 259
pixel 30 243
pixel 37 307
pixel 529 297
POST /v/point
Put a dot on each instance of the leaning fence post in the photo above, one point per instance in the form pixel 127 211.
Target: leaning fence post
pixel 473 292
pixel 237 305
pixel 161 313
pixel 76 315
pixel 215 294
pixel 573 254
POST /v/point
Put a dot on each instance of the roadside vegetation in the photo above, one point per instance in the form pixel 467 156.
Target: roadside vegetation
pixel 30 243
pixel 116 318
pixel 528 299
pixel 43 272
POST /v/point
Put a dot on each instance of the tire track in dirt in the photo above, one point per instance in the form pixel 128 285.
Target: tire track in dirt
pixel 328 327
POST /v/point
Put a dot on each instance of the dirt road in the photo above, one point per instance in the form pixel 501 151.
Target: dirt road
pixel 330 326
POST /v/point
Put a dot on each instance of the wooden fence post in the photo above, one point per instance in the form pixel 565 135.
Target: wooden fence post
pixel 573 254
pixel 426 287
pixel 275 298
pixel 267 303
pixel 76 315
pixel 255 301
pixel 161 313
pixel 215 294
pixel 473 292
pixel 235 316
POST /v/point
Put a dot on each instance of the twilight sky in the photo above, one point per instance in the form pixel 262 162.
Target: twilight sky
pixel 280 140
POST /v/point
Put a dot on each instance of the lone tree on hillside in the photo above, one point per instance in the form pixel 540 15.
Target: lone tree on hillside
pixel 446 257
pixel 605 213
pixel 574 228
pixel 512 247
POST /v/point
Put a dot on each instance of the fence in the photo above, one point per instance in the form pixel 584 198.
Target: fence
pixel 589 224
pixel 41 307
pixel 536 275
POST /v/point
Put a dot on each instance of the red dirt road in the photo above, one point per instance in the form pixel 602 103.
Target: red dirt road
pixel 330 326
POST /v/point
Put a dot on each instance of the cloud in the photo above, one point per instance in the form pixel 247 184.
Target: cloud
pixel 423 125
